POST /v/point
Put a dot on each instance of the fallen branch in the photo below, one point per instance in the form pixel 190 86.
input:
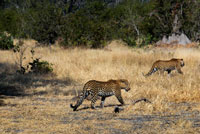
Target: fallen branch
pixel 143 99
pixel 117 109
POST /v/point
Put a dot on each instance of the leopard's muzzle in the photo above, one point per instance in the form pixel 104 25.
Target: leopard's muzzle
pixel 127 89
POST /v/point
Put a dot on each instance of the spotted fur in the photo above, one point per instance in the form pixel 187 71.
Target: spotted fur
pixel 94 89
pixel 166 65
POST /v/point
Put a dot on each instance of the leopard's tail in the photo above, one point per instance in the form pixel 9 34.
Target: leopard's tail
pixel 153 70
pixel 82 96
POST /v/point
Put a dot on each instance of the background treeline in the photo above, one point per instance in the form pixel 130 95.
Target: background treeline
pixel 92 23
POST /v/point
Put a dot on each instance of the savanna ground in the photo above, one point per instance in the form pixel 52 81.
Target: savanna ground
pixel 33 104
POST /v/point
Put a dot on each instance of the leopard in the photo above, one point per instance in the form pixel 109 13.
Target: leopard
pixel 93 90
pixel 166 65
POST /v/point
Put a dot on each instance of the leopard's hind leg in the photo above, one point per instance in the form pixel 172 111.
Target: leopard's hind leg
pixel 93 100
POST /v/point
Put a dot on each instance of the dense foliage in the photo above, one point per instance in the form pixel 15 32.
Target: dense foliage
pixel 92 23
pixel 6 41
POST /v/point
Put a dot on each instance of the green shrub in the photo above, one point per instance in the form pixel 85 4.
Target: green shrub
pixel 6 41
pixel 144 40
pixel 147 39
pixel 130 41
pixel 40 67
pixel 37 66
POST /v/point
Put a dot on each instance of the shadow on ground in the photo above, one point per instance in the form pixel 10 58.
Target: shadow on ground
pixel 19 85
pixel 98 107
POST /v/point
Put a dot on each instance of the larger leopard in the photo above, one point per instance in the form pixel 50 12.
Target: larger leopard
pixel 93 89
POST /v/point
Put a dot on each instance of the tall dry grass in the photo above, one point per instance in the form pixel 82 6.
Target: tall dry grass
pixel 115 62
pixel 118 61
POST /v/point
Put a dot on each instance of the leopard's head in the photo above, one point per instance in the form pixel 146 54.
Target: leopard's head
pixel 124 84
pixel 182 62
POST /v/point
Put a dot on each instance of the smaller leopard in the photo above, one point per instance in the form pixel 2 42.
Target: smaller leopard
pixel 93 89
pixel 166 65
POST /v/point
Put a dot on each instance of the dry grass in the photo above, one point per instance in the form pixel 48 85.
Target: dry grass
pixel 46 108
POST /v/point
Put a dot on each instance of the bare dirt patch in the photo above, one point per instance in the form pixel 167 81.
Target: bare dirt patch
pixel 52 114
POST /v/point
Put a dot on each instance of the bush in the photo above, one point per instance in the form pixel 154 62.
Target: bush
pixel 40 67
pixel 144 40
pixel 6 41
pixel 37 66
pixel 130 41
